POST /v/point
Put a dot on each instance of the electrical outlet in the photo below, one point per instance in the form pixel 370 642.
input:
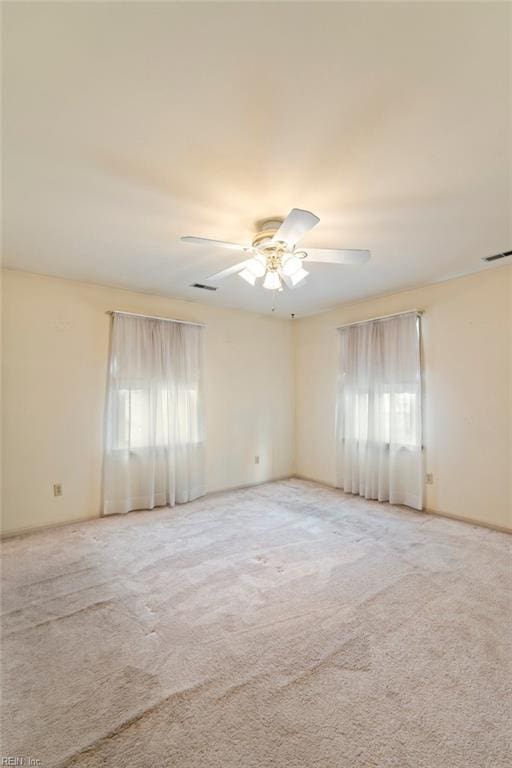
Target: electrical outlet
pixel 256 459
pixel 430 478
pixel 57 489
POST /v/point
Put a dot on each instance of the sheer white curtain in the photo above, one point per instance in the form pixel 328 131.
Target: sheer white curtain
pixel 378 414
pixel 154 436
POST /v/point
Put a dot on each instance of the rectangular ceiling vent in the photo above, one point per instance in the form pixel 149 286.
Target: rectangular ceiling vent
pixel 497 256
pixel 204 287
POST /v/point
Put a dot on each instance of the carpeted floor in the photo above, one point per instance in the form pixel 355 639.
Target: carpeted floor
pixel 285 625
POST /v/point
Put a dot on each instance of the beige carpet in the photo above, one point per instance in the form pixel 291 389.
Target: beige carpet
pixel 286 625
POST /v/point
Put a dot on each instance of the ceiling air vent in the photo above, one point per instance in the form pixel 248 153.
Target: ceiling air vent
pixel 497 256
pixel 204 287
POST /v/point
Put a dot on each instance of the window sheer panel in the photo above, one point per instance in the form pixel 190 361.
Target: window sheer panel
pixel 154 438
pixel 378 413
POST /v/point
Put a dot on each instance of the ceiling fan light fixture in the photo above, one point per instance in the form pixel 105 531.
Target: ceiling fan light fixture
pixel 298 276
pixel 247 276
pixel 291 266
pixel 255 267
pixel 272 281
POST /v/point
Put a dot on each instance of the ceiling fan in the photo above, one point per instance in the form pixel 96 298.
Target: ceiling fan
pixel 273 255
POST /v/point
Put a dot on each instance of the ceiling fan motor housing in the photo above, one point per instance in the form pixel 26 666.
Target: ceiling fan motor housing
pixel 265 231
pixel 268 249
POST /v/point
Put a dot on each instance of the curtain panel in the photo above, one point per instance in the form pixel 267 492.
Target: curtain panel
pixel 378 411
pixel 154 435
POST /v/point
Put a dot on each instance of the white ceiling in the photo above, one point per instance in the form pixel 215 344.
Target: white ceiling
pixel 127 125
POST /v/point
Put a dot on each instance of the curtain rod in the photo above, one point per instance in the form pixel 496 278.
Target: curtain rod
pixel 154 317
pixel 382 317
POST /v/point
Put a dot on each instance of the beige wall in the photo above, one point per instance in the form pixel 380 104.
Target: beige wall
pixel 56 336
pixel 467 354
pixel 55 352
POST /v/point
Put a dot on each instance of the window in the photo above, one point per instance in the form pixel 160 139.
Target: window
pixel 172 414
pixel 396 414
pixel 154 439
pixel 378 412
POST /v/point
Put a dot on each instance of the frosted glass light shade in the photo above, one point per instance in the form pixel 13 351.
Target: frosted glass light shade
pixel 247 276
pixel 291 266
pixel 256 267
pixel 298 276
pixel 272 281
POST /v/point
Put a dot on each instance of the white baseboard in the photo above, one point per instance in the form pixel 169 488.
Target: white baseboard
pixel 249 485
pixel 46 527
pixel 470 520
pixel 426 510
pixel 49 526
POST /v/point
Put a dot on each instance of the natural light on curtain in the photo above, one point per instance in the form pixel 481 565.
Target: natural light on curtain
pixel 154 438
pixel 378 414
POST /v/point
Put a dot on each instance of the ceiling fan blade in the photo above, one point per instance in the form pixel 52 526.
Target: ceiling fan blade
pixel 337 256
pixel 216 243
pixel 229 271
pixel 295 226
